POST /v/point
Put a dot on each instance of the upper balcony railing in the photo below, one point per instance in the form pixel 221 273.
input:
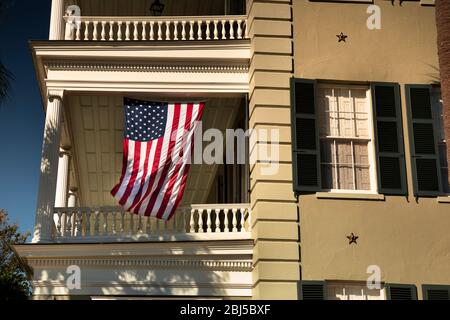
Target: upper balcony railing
pixel 181 28
pixel 198 222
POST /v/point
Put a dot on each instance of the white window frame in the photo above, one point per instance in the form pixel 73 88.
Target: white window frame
pixel 370 140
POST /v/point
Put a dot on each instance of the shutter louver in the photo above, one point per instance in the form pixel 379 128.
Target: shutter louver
pixel 423 136
pixel 435 292
pixel 313 290
pixel 401 292
pixel 389 138
pixel 305 143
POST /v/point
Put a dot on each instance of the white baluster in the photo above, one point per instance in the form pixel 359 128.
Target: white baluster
pixel 157 227
pixel 182 226
pixel 226 221
pixel 246 28
pixel 217 230
pixel 87 231
pixel 145 225
pixel 232 29
pixel 159 30
pixel 119 31
pixel 59 224
pixel 78 36
pixel 216 30
pixel 103 30
pixel 183 30
pixel 95 31
pixel 79 222
pixel 249 220
pixel 202 221
pixel 69 224
pixel 175 31
pixel 152 31
pixel 105 223
pixel 191 30
pixel 224 30
pixel 208 30
pixel 136 32
pixel 192 221
pixel 235 220
pixel 168 30
pixel 131 223
pixel 208 221
pixel 144 30
pixel 122 222
pixel 140 224
pixel 111 31
pixel 113 222
pixel 239 30
pixel 199 30
pixel 127 31
pixel 86 30
pixel 96 223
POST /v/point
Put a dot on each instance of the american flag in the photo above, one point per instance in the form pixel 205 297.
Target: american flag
pixel 158 145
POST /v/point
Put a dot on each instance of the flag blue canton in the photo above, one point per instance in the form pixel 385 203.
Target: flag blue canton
pixel 145 121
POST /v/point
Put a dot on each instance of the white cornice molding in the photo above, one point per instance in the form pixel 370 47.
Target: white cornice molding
pixel 215 265
pixel 143 67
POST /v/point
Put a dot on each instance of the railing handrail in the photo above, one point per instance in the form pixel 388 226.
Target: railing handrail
pixel 159 18
pixel 183 208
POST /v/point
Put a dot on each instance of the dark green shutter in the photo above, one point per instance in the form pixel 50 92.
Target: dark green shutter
pixel 423 140
pixel 389 138
pixel 313 290
pixel 401 292
pixel 305 139
pixel 436 292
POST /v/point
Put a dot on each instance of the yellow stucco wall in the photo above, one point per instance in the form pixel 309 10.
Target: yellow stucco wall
pixel 408 238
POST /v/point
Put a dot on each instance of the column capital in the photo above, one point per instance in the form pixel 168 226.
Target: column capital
pixel 54 94
pixel 65 151
pixel 73 190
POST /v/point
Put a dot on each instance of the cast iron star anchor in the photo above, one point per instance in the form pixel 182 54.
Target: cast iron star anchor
pixel 352 239
pixel 342 37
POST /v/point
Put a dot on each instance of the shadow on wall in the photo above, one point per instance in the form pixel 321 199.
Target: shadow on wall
pixel 177 274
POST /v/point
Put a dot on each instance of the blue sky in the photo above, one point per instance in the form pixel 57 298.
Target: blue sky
pixel 22 118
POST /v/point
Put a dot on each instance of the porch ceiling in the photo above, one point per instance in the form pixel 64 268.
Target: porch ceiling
pixel 96 122
pixel 141 7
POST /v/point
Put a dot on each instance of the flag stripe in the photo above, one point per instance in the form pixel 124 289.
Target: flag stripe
pixel 179 162
pixel 166 165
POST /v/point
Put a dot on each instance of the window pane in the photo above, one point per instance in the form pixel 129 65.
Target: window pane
pixel 343 113
pixel 362 166
pixel 345 165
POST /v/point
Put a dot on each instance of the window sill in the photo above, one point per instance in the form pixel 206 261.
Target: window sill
pixel 350 196
pixel 443 199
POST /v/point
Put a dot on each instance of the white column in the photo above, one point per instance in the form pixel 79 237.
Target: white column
pixel 49 168
pixel 73 198
pixel 57 22
pixel 63 179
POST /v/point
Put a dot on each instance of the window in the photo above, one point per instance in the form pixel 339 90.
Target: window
pixel 353 291
pixel 347 138
pixel 436 101
pixel 346 135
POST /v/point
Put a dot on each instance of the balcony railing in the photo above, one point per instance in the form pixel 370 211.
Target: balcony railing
pixel 154 29
pixel 198 222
